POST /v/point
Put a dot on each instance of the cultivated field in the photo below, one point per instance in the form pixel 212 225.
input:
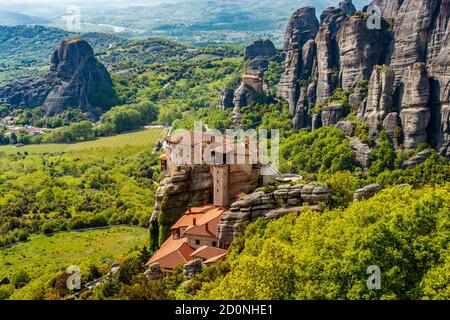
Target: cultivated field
pixel 43 256
pixel 139 138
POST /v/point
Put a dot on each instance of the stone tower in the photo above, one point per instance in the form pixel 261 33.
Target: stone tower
pixel 221 182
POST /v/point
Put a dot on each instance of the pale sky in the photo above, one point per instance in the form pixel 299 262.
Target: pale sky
pixel 82 2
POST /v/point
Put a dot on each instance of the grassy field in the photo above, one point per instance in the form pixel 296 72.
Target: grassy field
pixel 139 138
pixel 43 256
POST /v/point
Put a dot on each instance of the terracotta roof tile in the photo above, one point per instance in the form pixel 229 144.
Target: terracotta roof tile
pixel 216 258
pixel 207 252
pixel 172 253
pixel 202 216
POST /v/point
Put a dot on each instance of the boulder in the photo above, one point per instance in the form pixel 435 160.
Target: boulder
pixel 4 281
pixel 367 192
pixel 346 127
pixel 316 122
pixel 331 114
pixel 191 268
pixel 315 194
pixel 154 271
pixel 418 159
pixel 260 48
pixel 259 63
pixel 362 153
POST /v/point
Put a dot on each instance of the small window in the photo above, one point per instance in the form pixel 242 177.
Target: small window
pixel 214 244
pixel 197 241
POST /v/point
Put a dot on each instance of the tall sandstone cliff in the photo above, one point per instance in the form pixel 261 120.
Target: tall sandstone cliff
pixel 74 81
pixel 300 49
pixel 406 64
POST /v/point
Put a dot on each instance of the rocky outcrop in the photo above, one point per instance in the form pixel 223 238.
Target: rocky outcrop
pixel 316 121
pixel 191 268
pixel 227 99
pixel 252 89
pixel 347 7
pixel 418 159
pixel 357 101
pixel 380 99
pixel 331 114
pixel 346 127
pixel 393 127
pixel 76 80
pixel 444 142
pixel 177 192
pixel 421 35
pixel 259 64
pixel 260 48
pixel 438 64
pixel 186 186
pixel 360 50
pixel 328 57
pixel 284 200
pixel 347 50
pixel 362 152
pixel 412 28
pixel 300 50
pixel 408 97
pixel 154 271
pixel 438 38
pixel 389 8
pixel 367 192
pixel 416 112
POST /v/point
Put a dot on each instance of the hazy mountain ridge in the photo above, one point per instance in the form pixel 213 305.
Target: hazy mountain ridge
pixel 15 18
pixel 191 21
pixel 25 50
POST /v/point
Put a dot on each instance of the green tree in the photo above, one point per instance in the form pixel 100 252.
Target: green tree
pixel 20 279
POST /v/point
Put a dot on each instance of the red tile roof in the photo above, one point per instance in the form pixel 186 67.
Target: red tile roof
pixel 172 253
pixel 207 252
pixel 215 259
pixel 202 216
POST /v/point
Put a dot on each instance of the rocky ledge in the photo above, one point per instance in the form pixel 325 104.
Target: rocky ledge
pixel 283 200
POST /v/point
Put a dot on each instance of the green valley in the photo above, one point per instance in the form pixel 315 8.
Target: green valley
pixel 145 137
pixel 84 249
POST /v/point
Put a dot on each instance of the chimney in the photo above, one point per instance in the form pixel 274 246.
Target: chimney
pixel 189 209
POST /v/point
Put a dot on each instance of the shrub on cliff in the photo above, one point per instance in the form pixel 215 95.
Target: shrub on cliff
pixel 405 232
pixel 325 150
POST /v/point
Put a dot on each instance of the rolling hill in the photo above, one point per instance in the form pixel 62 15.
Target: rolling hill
pixel 14 18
